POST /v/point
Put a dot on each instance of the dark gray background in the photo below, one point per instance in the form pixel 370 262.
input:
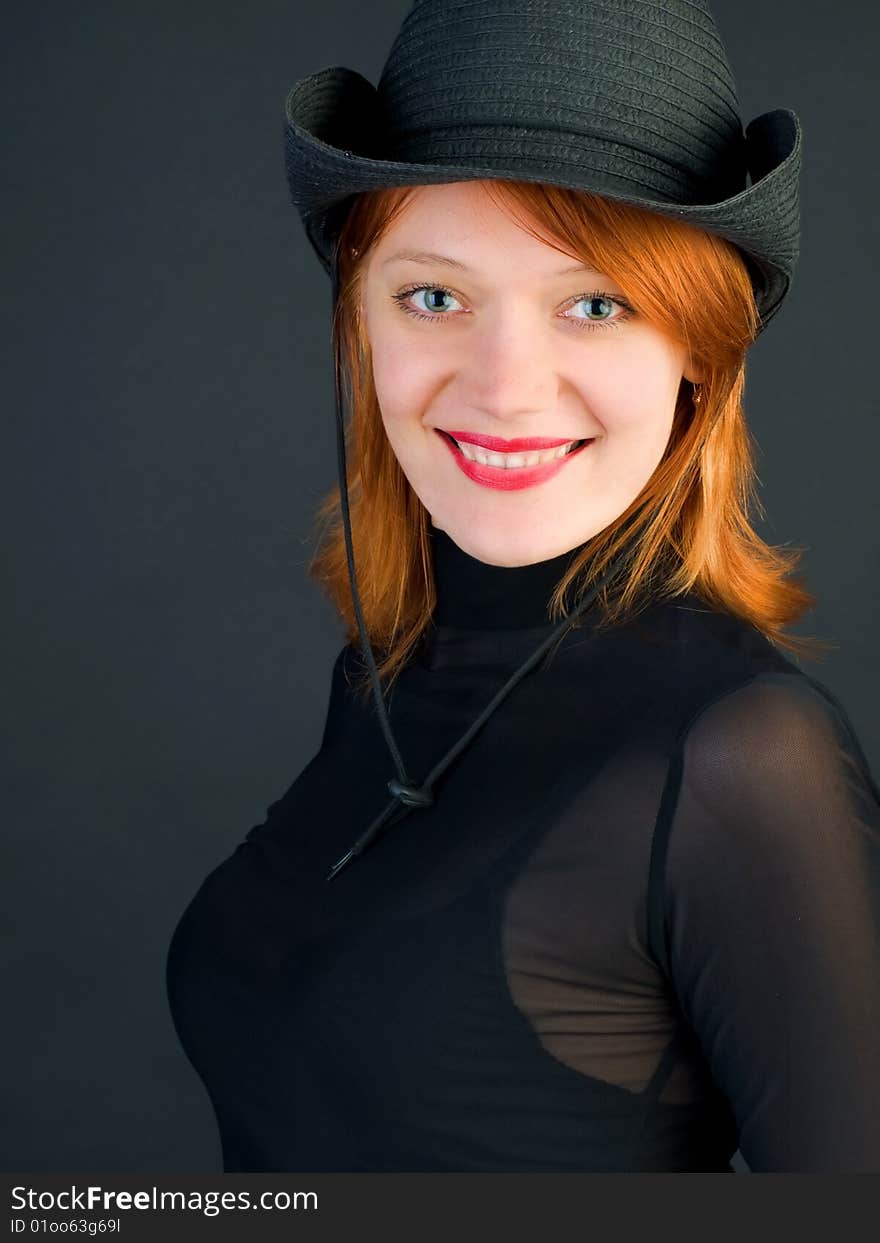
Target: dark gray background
pixel 168 432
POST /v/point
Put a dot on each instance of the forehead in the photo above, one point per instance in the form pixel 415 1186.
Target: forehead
pixel 458 226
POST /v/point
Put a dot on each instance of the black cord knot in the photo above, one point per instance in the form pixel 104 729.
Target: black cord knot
pixel 413 796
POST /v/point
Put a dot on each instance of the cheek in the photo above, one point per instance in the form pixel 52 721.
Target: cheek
pixel 400 403
pixel 634 401
pixel 644 422
pixel 404 382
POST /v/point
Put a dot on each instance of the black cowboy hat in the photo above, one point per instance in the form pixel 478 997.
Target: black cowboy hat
pixel 631 99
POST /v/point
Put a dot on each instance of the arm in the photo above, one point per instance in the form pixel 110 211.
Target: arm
pixel 770 921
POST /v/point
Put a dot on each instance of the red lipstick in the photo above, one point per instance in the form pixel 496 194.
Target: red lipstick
pixel 509 479
pixel 495 444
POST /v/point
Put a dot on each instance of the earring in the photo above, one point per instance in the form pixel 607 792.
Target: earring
pixel 698 394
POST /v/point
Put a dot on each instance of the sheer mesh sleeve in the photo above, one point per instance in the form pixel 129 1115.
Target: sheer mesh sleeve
pixel 770 921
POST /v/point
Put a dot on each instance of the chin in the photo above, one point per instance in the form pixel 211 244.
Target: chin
pixel 501 551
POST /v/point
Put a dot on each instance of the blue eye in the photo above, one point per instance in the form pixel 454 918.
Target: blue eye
pixel 403 297
pixel 597 299
pixel 436 294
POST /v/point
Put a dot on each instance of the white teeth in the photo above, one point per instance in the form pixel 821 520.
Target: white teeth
pixel 510 461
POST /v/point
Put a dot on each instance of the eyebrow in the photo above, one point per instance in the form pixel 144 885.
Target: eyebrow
pixel 427 256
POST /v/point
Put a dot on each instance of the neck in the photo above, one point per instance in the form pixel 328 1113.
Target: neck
pixel 474 595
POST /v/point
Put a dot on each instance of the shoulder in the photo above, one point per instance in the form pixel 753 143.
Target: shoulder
pixel 696 629
pixel 339 693
pixel 688 655
pixel 767 770
pixel 769 777
pixel 761 732
pixel 769 800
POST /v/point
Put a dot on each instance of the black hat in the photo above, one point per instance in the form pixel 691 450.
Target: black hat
pixel 631 99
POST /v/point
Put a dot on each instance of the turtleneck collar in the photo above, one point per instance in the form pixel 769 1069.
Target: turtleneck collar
pixel 474 595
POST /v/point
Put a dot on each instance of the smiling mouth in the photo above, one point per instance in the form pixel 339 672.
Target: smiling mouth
pixel 520 460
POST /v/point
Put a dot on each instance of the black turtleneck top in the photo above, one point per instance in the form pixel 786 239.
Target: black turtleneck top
pixel 638 929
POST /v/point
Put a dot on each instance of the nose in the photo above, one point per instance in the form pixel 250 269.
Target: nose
pixel 509 369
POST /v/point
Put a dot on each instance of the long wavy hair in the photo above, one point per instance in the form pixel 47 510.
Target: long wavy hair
pixel 689 527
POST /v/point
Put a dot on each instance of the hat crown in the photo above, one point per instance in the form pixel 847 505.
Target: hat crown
pixel 642 89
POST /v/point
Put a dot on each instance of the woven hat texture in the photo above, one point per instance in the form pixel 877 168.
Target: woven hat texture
pixel 632 99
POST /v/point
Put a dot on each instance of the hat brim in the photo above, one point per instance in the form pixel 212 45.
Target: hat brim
pixel 332 147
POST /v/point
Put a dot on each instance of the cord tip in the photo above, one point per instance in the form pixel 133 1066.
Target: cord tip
pixel 339 865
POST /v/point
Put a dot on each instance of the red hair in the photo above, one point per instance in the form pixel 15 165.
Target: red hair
pixel 690 521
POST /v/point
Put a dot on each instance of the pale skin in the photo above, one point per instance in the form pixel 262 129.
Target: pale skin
pixel 521 351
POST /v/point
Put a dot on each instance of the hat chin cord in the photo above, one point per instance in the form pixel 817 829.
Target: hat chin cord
pixel 406 795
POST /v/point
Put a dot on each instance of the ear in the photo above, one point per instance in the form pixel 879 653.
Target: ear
pixel 692 374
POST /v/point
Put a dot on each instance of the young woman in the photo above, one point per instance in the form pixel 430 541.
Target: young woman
pixel 585 874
